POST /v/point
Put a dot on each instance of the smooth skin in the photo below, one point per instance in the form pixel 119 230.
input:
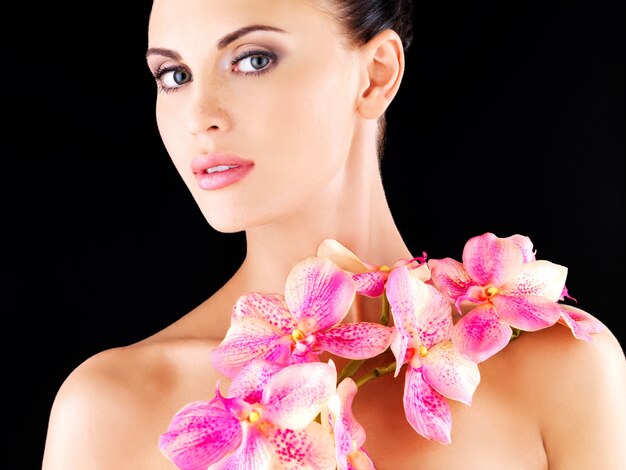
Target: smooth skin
pixel 304 109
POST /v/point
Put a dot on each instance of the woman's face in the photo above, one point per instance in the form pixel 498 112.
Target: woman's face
pixel 256 104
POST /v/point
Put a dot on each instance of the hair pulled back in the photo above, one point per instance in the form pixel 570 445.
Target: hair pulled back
pixel 364 19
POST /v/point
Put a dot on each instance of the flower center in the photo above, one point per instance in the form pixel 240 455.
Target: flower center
pixel 254 416
pixel 297 335
pixel 491 291
pixel 385 268
pixel 423 351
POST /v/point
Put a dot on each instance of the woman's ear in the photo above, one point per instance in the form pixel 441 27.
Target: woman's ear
pixel 383 60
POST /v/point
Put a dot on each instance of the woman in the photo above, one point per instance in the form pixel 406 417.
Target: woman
pixel 273 114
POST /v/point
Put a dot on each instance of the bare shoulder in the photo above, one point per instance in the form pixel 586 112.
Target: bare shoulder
pixel 576 391
pixel 111 409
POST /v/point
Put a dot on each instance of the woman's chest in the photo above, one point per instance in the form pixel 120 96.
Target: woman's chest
pixel 494 432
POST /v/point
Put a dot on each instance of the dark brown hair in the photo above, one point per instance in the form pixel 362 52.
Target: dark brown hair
pixel 364 19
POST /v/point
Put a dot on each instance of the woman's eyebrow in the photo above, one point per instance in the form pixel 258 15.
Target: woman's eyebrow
pixel 164 52
pixel 230 37
pixel 221 44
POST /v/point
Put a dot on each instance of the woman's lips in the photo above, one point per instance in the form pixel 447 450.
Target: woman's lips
pixel 217 170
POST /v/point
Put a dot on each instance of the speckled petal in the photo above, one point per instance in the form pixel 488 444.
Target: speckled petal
pixel 249 383
pixel 451 374
pixel 255 453
pixel 355 340
pixel 426 410
pixel 308 449
pixel 246 340
pixel 418 308
pixel 490 260
pixel 525 246
pixel 528 313
pixel 450 277
pixel 434 322
pixel 371 283
pixel 319 291
pixel 200 434
pixel 406 297
pixel 349 434
pixel 294 396
pixel 582 324
pixel 480 334
pixel 269 307
pixel 538 278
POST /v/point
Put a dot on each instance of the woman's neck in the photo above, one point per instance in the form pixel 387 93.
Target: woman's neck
pixel 351 209
pixel 365 226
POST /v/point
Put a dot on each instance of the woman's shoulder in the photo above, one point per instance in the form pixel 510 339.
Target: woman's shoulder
pixel 552 354
pixel 574 389
pixel 111 409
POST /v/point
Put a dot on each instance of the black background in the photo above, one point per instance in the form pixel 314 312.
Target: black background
pixel 510 119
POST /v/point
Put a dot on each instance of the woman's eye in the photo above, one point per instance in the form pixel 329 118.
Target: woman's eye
pixel 253 62
pixel 173 78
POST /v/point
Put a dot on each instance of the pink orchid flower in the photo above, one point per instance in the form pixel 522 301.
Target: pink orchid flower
pixel 436 370
pixel 582 324
pixel 370 278
pixel 505 286
pixel 349 434
pixel 276 432
pixel 300 325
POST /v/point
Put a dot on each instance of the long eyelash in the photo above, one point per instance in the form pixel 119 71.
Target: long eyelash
pixel 159 73
pixel 273 59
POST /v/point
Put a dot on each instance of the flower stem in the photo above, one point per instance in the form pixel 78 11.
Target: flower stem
pixel 384 314
pixel 350 369
pixel 375 373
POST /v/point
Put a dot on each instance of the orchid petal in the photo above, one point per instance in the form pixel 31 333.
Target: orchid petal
pixel 249 383
pixel 349 434
pixel 480 334
pixel 343 257
pixel 418 307
pixel 399 347
pixel 490 260
pixel 450 277
pixel 341 407
pixel 406 297
pixel 434 322
pixel 525 246
pixel 538 278
pixel 318 290
pixel 426 410
pixel 247 339
pixel 421 272
pixel 255 452
pixel 582 324
pixel 360 340
pixel 451 374
pixel 304 358
pixel 200 434
pixel 269 307
pixel 296 394
pixel 359 459
pixel 310 448
pixel 371 283
pixel 528 313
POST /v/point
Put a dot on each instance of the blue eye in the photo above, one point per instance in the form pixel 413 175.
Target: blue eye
pixel 253 62
pixel 171 78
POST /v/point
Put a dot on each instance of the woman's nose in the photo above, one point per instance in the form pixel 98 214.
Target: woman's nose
pixel 206 114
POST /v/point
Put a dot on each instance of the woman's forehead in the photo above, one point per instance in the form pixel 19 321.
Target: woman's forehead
pixel 195 25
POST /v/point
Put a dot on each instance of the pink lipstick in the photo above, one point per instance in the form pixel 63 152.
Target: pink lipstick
pixel 217 170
